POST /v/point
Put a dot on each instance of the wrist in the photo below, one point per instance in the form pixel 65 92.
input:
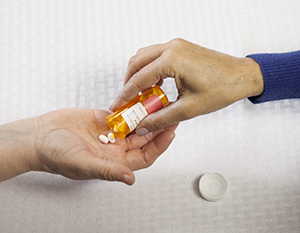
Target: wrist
pixel 17 147
pixel 255 80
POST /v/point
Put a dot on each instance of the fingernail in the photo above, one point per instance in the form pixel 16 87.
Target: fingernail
pixel 142 131
pixel 126 179
pixel 111 106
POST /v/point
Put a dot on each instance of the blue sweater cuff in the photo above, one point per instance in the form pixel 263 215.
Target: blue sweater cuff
pixel 281 72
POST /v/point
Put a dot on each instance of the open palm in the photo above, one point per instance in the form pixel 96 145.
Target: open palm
pixel 68 144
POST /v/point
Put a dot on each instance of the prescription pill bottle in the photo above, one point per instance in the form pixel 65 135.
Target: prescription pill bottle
pixel 126 118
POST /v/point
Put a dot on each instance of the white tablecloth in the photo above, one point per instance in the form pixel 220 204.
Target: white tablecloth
pixel 74 53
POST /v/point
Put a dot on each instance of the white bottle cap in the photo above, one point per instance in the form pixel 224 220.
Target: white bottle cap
pixel 212 186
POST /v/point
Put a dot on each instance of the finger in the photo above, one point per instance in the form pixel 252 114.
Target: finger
pixel 142 158
pixel 144 79
pixel 160 82
pixel 136 142
pixel 143 57
pixel 178 111
pixel 100 119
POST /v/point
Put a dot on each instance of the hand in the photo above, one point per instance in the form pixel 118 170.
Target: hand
pixel 66 142
pixel 206 81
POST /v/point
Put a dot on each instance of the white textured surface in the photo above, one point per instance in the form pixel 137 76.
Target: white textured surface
pixel 74 53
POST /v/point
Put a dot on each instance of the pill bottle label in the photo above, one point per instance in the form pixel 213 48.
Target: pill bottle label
pixel 153 104
pixel 134 115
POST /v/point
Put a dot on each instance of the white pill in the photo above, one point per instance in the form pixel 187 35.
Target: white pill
pixel 103 138
pixel 111 138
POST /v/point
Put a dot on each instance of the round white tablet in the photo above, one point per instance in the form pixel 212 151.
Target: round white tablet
pixel 212 186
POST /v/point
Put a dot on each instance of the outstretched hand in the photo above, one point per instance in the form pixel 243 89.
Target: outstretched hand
pixel 66 142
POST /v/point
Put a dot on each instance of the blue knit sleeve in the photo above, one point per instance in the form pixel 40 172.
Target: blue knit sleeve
pixel 281 72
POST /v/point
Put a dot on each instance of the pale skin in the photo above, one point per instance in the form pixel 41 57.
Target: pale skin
pixel 206 81
pixel 66 142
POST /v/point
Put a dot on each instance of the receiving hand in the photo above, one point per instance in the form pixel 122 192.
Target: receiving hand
pixel 66 142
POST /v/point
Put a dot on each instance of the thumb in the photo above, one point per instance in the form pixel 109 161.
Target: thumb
pixel 95 168
pixel 173 113
pixel 113 172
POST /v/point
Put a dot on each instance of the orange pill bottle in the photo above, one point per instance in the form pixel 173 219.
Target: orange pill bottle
pixel 126 118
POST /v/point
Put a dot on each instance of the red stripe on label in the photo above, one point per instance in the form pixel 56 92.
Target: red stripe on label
pixel 153 104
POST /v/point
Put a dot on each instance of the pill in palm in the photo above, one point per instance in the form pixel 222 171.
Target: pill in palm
pixel 111 138
pixel 103 138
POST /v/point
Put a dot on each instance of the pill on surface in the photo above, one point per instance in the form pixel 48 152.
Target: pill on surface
pixel 103 138
pixel 111 138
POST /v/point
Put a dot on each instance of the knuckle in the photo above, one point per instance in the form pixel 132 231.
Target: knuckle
pixel 131 60
pixel 146 162
pixel 139 51
pixel 133 84
pixel 169 63
pixel 169 55
pixel 107 174
pixel 177 42
pixel 129 143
